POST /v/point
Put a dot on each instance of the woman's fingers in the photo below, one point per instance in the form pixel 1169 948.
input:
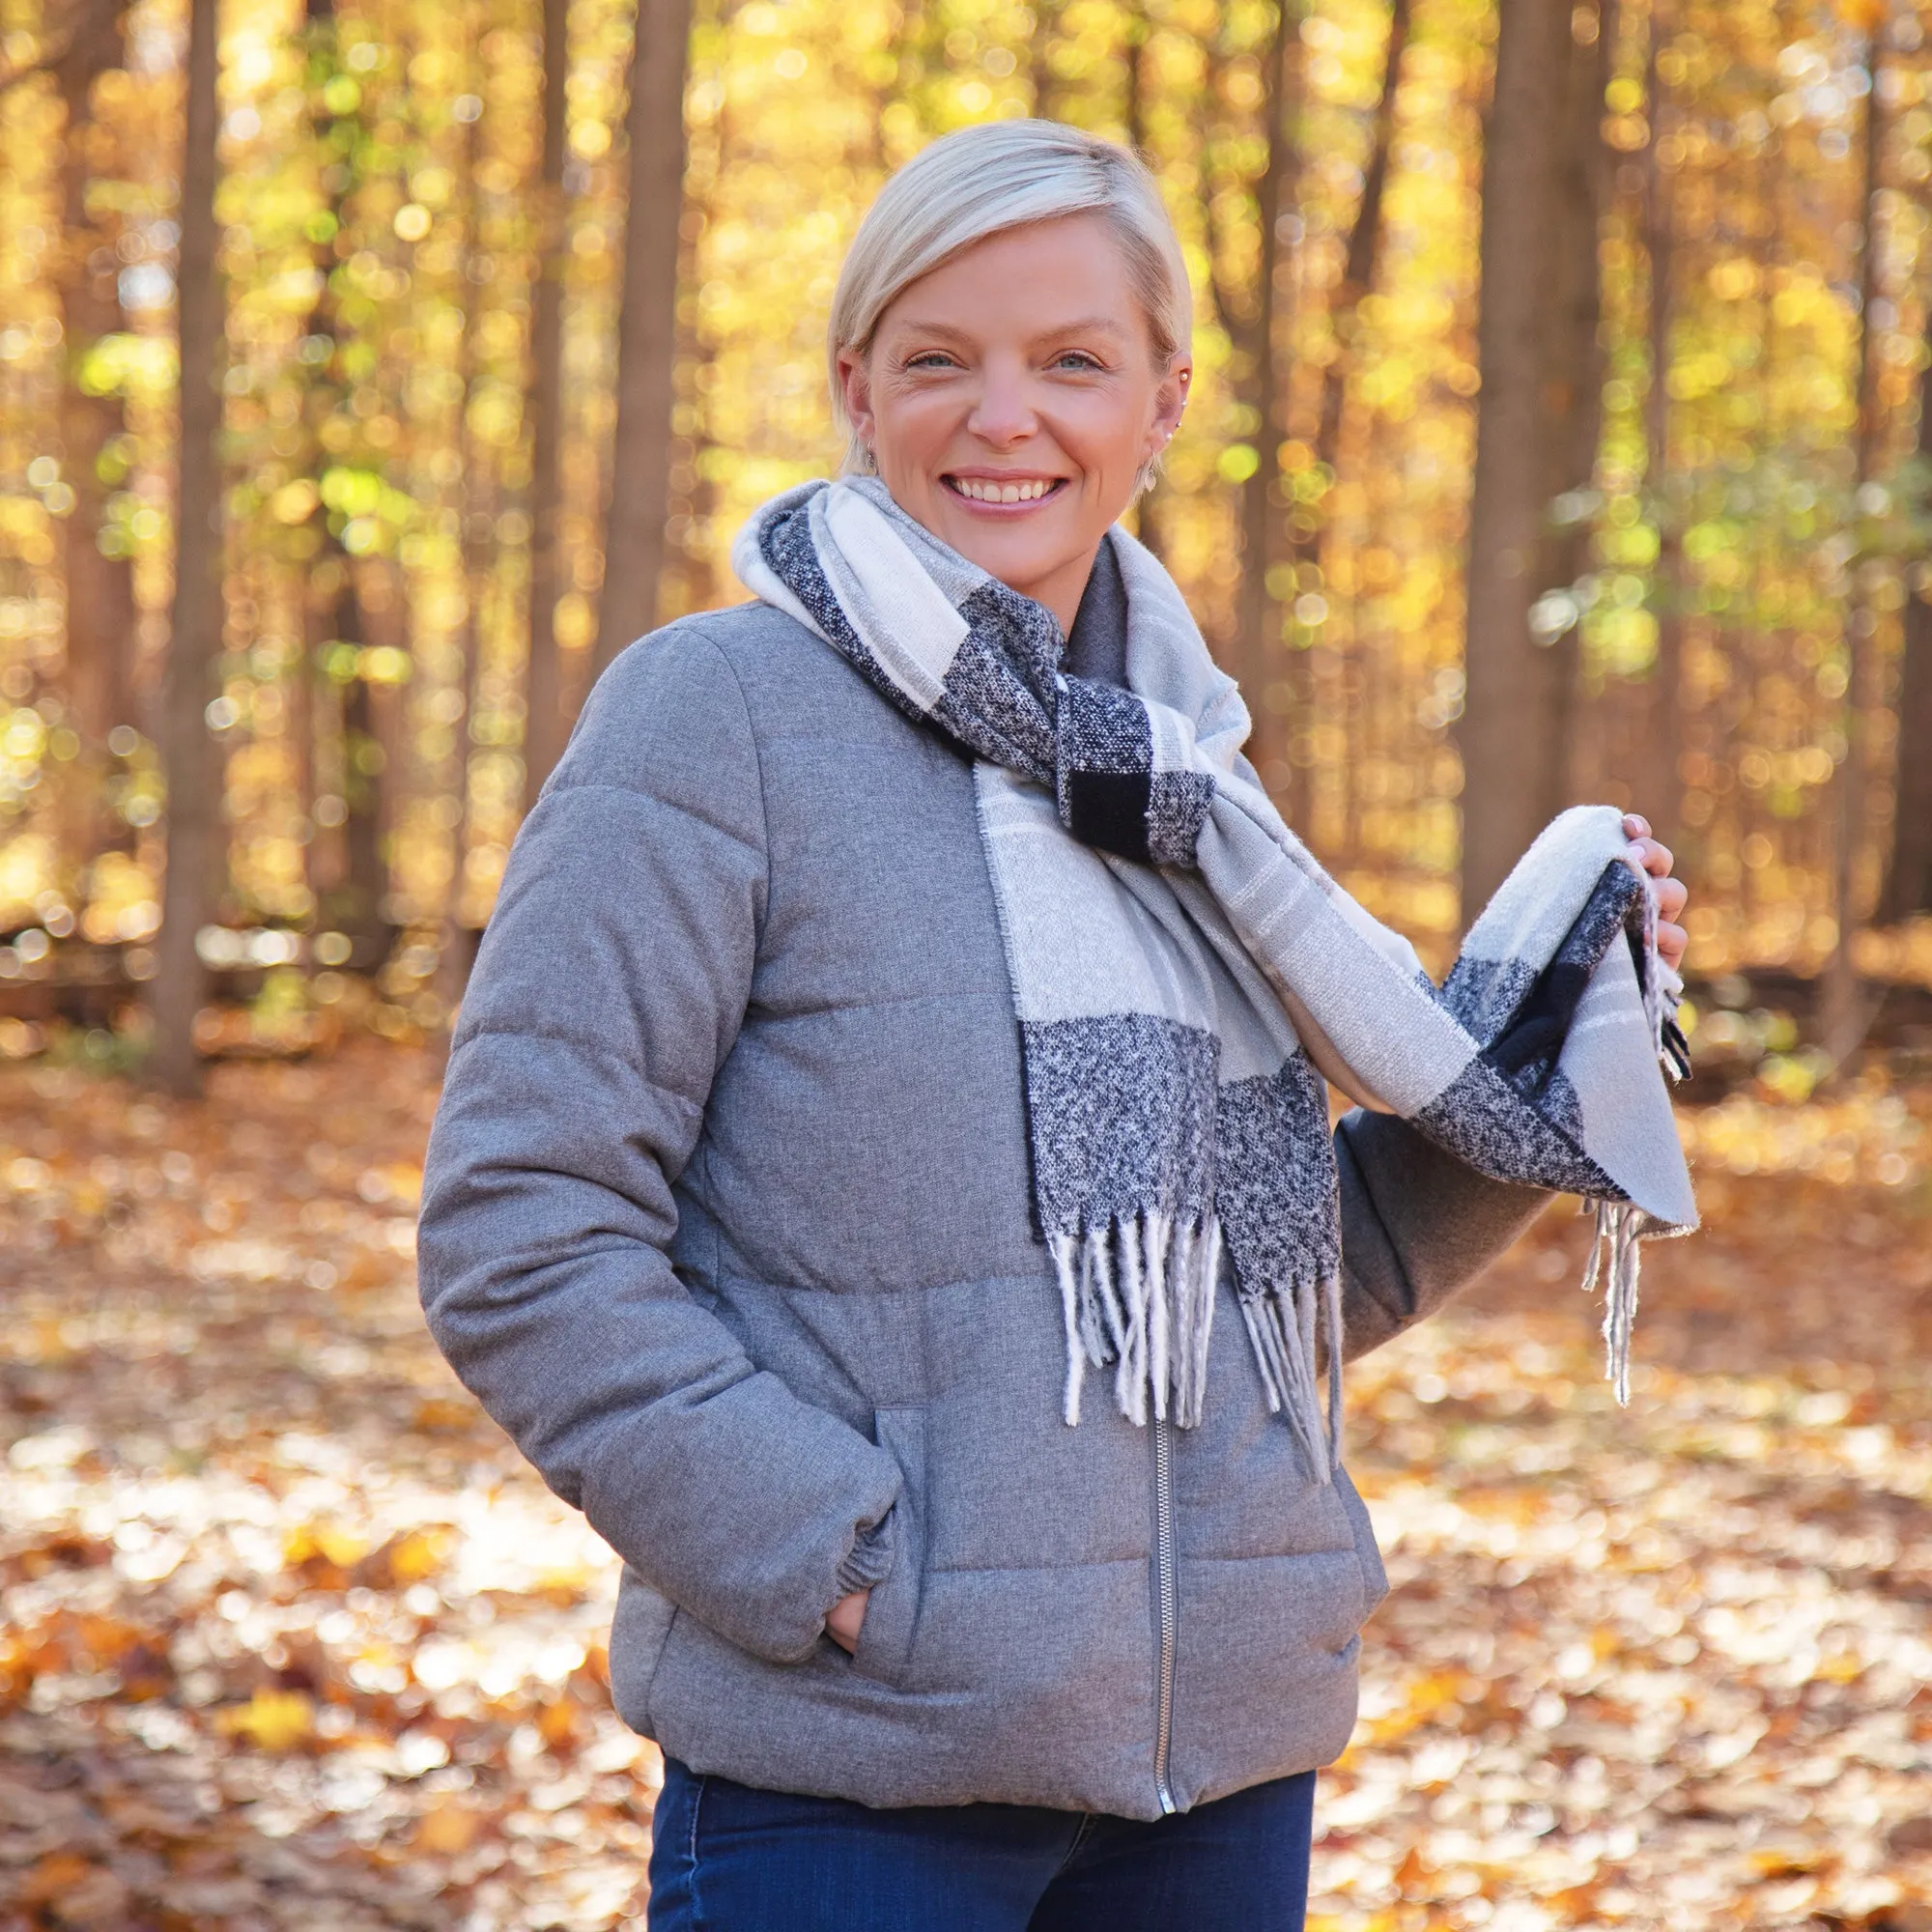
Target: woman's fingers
pixel 847 1618
pixel 1657 860
pixel 1673 895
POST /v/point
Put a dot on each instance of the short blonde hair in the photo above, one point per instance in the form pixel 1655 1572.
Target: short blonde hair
pixel 981 182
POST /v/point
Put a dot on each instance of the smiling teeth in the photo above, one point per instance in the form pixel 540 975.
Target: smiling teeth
pixel 974 490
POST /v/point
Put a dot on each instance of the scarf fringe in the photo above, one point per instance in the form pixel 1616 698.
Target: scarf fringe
pixel 1620 1231
pixel 1282 1325
pixel 1137 1296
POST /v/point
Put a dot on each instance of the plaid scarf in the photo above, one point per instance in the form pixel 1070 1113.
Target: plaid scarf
pixel 1185 974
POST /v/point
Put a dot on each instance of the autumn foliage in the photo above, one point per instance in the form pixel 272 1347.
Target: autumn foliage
pixel 371 372
pixel 285 1621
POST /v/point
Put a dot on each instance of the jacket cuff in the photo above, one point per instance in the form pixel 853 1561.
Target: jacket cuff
pixel 870 1558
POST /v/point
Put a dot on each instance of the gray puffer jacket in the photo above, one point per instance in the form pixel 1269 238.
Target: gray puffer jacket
pixel 727 1222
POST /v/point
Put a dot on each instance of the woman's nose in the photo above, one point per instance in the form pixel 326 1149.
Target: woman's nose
pixel 1002 413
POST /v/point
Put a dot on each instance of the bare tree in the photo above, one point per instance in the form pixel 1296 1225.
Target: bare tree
pixel 545 726
pixel 193 765
pixel 1908 878
pixel 633 526
pixel 1573 365
pixel 1257 343
pixel 1505 733
pixel 456 946
pixel 1150 511
pixel 1358 272
pixel 1663 796
pixel 100 607
pixel 1846 1011
pixel 332 711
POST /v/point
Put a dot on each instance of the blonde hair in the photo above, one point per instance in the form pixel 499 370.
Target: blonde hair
pixel 981 182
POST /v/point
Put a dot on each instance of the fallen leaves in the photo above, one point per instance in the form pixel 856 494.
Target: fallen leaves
pixel 1669 1667
pixel 272 1721
pixel 290 1636
pixel 288 1633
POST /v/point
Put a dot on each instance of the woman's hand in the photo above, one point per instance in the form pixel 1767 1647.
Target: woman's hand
pixel 842 1622
pixel 1671 893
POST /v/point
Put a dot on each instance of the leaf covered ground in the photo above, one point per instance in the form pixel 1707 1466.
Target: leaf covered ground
pixel 290 1638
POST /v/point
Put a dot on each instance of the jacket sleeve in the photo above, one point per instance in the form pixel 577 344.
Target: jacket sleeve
pixel 1417 1225
pixel 607 991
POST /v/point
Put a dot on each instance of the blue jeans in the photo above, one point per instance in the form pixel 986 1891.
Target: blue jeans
pixel 726 1858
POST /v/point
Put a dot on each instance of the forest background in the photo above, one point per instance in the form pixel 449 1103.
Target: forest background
pixel 370 374
pixel 1596 468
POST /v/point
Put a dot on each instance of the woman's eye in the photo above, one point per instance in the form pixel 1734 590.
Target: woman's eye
pixel 931 358
pixel 1076 358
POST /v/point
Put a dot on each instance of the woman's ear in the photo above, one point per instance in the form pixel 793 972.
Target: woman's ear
pixel 855 383
pixel 1170 402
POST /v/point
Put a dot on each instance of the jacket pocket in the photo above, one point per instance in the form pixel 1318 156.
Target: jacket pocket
pixel 641 1633
pixel 1368 1557
pixel 891 1611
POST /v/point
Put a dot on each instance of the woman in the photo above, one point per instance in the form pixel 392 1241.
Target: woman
pixel 876 1076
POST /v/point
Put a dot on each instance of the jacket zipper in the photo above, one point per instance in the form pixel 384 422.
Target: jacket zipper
pixel 1163 1515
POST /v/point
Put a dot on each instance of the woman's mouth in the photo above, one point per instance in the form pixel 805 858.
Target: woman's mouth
pixel 1004 492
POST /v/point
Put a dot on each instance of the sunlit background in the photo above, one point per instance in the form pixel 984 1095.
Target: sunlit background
pixel 283 1619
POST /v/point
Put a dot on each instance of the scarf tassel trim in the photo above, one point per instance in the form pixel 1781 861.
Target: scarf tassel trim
pixel 1619 1237
pixel 1137 1296
pixel 1621 1225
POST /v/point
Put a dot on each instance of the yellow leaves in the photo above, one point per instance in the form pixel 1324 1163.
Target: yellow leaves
pixel 1423 1699
pixel 324 1542
pixel 1869 1136
pixel 442 1413
pixel 397 1182
pixel 447 1826
pixel 559 1721
pixel 1734 278
pixel 130 365
pixel 576 623
pixel 1237 463
pixel 272 1721
pixel 1699 375
pixel 295 502
pixel 410 1558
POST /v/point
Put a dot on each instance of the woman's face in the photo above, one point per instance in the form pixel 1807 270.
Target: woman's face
pixel 1011 398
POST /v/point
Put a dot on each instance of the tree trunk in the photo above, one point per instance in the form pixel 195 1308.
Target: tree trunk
pixel 1506 734
pixel 1908 878
pixel 193 765
pixel 348 890
pixel 366 797
pixel 1150 508
pixel 457 943
pixel 1662 799
pixel 1572 372
pixel 1258 613
pixel 633 525
pixel 544 728
pixel 354 908
pixel 1358 272
pixel 1845 1012
pixel 100 608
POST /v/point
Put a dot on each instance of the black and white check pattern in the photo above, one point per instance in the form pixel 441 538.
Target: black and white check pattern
pixel 1185 974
